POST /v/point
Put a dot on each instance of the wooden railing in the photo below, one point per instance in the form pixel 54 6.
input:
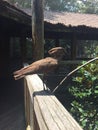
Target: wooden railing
pixel 43 111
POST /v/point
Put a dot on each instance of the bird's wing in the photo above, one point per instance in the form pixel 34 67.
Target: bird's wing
pixel 41 66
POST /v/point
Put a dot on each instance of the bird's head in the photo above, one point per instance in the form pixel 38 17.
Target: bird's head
pixel 57 52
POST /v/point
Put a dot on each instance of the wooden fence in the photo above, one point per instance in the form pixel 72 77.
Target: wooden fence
pixel 43 111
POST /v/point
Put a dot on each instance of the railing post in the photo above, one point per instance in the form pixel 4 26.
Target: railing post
pixel 27 104
pixel 45 111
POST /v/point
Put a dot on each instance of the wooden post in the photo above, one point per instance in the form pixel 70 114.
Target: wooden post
pixel 23 47
pixel 4 55
pixel 37 29
pixel 73 47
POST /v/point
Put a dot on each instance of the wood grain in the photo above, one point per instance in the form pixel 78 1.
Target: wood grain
pixel 50 113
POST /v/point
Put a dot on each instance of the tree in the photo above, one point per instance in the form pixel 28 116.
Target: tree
pixel 91 6
pixel 61 5
pixel 21 3
pixel 83 6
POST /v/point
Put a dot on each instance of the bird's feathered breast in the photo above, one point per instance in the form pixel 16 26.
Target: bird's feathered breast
pixel 43 66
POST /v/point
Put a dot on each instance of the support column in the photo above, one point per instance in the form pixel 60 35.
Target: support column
pixel 37 29
pixel 73 47
pixel 4 56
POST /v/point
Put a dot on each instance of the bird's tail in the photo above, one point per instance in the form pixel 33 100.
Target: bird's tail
pixel 16 77
pixel 20 73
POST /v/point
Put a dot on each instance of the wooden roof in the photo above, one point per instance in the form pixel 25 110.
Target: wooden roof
pixel 64 18
pixel 66 21
pixel 10 11
pixel 53 21
pixel 71 19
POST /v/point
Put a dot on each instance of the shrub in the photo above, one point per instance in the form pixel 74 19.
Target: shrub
pixel 85 91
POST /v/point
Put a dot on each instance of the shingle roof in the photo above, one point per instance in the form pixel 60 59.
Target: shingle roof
pixel 68 19
pixel 71 19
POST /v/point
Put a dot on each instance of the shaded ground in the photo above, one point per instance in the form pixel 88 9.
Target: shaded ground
pixel 11 103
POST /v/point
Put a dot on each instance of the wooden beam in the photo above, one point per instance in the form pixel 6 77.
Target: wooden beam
pixel 37 29
pixel 69 35
pixel 57 35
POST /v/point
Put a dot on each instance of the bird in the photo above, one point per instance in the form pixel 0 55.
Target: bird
pixel 43 66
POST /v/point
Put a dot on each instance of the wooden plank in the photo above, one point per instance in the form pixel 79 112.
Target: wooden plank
pixel 37 29
pixel 27 106
pixel 36 123
pixel 50 113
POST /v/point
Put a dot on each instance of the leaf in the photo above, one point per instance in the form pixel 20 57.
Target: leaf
pixel 94 78
pixel 78 79
pixel 96 87
pixel 96 91
pixel 80 110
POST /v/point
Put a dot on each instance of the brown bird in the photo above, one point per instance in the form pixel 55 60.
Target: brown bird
pixel 43 66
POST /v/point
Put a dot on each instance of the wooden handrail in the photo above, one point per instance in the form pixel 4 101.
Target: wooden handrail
pixel 43 110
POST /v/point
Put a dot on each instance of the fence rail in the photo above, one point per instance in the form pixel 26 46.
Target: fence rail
pixel 43 111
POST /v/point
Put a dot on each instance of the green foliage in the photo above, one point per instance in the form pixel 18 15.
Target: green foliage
pixel 91 6
pixel 63 5
pixel 83 6
pixel 89 48
pixel 21 3
pixel 85 92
